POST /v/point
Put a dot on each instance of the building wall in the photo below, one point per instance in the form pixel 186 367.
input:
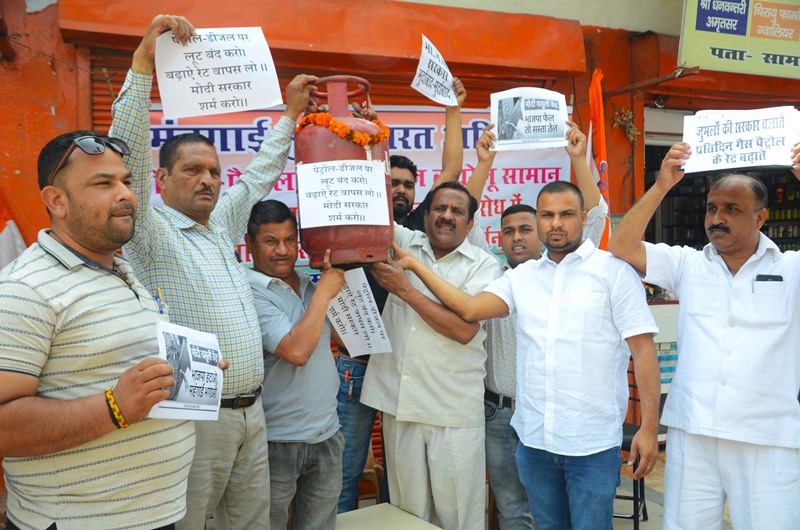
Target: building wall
pixel 662 16
pixel 39 101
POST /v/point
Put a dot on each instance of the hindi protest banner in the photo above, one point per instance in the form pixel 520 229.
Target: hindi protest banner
pixel 416 132
pixel 433 79
pixel 529 118
pixel 194 355
pixel 220 70
pixel 342 192
pixel 356 318
pixel 726 139
pixel 742 36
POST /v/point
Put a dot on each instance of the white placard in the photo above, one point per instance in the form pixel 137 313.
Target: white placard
pixel 355 317
pixel 433 79
pixel 342 192
pixel 198 380
pixel 529 118
pixel 727 139
pixel 220 70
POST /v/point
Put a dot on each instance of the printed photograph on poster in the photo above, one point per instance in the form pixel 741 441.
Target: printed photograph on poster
pixel 529 118
pixel 194 355
pixel 342 192
pixel 729 139
pixel 220 70
pixel 356 318
pixel 433 79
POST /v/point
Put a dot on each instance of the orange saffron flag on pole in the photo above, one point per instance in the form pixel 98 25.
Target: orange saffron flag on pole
pixel 597 146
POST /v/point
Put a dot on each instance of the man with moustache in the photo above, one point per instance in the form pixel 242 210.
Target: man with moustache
pixel 300 383
pixel 575 306
pixel 186 250
pixel 79 366
pixel 732 409
pixel 430 387
pixel 356 418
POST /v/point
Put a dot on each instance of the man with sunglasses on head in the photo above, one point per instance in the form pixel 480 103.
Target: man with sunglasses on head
pixel 79 366
pixel 186 249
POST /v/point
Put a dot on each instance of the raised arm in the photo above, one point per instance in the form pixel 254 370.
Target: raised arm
pixel 483 148
pixel 131 120
pixel 453 153
pixel 299 344
pixel 233 208
pixel 482 306
pixel 583 175
pixel 626 241
pixel 648 380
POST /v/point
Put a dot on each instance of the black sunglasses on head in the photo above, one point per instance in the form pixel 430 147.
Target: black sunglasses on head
pixel 91 145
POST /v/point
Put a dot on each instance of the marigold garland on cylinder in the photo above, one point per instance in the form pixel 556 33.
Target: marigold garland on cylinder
pixel 341 129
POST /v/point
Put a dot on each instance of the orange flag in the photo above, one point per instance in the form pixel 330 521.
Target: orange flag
pixel 597 136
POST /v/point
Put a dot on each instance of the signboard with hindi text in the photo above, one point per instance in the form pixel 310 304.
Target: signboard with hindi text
pixel 728 139
pixel 416 132
pixel 742 36
pixel 529 118
pixel 433 79
pixel 220 70
pixel 342 192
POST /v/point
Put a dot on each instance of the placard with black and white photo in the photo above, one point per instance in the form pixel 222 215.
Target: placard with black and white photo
pixel 529 118
pixel 195 356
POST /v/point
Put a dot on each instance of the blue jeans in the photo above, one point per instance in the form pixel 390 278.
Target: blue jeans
pixel 356 422
pixel 509 493
pixel 570 492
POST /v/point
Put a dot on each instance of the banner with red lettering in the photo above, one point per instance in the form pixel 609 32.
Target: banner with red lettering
pixel 416 132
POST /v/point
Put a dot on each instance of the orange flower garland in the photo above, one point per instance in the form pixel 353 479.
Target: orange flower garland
pixel 341 129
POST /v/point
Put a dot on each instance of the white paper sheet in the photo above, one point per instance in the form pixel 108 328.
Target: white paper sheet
pixel 342 192
pixel 220 70
pixel 355 317
pixel 728 139
pixel 529 118
pixel 433 79
pixel 194 355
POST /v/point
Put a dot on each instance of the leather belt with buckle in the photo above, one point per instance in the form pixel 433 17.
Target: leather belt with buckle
pixel 242 400
pixel 499 400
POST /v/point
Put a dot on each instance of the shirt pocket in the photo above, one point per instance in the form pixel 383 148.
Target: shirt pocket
pixel 704 295
pixel 770 303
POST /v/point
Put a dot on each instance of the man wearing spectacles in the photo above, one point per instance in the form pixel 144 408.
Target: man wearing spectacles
pixel 78 360
pixel 186 249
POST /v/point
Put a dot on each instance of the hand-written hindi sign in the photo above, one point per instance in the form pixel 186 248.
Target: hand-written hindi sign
pixel 220 70
pixel 342 192
pixel 529 118
pixel 433 79
pixel 355 317
pixel 727 139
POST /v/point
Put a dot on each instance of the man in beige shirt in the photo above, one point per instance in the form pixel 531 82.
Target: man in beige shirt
pixel 430 388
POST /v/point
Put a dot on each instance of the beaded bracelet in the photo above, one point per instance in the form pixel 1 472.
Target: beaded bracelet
pixel 113 409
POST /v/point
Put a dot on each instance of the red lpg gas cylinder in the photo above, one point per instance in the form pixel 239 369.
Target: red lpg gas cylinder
pixel 350 244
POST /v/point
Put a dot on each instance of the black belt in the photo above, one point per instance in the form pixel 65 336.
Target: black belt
pixel 242 400
pixel 499 400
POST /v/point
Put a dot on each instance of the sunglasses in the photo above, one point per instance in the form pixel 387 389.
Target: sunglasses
pixel 91 145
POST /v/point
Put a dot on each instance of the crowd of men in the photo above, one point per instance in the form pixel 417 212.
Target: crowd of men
pixel 518 366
